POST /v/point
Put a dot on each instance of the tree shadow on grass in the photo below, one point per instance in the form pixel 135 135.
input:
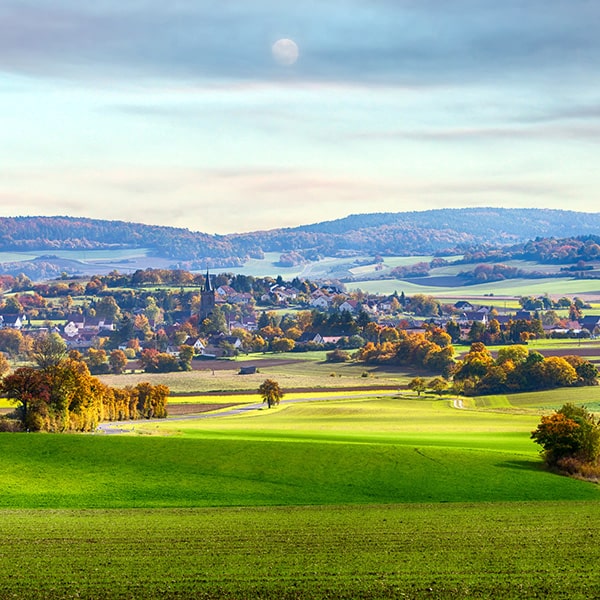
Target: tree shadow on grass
pixel 522 465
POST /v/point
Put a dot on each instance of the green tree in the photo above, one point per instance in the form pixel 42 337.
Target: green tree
pixel 270 392
pixel 108 309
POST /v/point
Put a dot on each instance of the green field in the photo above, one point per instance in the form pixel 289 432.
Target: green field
pixel 514 550
pixel 384 497
pixel 510 287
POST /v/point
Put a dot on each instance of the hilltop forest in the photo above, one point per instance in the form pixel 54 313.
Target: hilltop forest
pixel 440 232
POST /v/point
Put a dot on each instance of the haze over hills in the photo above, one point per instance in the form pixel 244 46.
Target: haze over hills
pixel 444 231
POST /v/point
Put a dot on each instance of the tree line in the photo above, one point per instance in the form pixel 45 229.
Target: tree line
pixel 60 394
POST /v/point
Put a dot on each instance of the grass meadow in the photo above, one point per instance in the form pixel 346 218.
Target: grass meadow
pixel 563 286
pixel 340 497
pixel 304 370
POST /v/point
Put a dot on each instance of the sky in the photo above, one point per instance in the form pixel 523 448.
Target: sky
pixel 178 113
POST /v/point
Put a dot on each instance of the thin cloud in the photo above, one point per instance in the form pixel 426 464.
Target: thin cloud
pixel 401 42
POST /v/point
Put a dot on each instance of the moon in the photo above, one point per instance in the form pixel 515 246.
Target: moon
pixel 285 52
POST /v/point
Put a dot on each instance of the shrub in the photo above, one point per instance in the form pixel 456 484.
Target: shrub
pixel 10 425
pixel 337 356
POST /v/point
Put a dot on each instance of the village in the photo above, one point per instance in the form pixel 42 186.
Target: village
pixel 227 315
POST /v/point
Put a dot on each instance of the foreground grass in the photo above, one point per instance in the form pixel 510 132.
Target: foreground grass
pixel 344 498
pixel 515 550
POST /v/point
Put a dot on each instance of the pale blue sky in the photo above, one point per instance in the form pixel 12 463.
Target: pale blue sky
pixel 176 113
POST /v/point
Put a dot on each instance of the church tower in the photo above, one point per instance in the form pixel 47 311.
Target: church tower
pixel 207 298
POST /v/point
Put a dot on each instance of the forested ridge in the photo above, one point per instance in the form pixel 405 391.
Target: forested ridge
pixel 441 231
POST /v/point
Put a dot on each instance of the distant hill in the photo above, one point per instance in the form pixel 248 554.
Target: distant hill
pixel 444 231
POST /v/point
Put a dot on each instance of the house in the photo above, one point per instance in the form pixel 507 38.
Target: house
pixel 225 291
pixel 283 294
pixel 472 316
pixel 310 338
pixel 591 323
pixel 216 345
pixel 197 344
pixel 350 306
pixel 245 322
pixel 523 315
pixel 464 305
pixel 323 302
pixel 12 321
pixel 76 320
pixel 240 298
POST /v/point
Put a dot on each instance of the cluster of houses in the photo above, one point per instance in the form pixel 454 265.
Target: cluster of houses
pixel 483 314
pixel 81 332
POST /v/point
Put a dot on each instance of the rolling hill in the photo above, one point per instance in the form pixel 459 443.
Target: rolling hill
pixel 444 231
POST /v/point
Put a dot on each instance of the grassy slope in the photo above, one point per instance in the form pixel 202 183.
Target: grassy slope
pixel 341 451
pixel 509 287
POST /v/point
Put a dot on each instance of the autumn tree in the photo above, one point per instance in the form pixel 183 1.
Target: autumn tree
pixel 438 385
pixel 117 361
pixel 270 392
pixel 186 355
pixel 11 341
pixel 282 344
pixel 418 384
pixel 48 349
pixel 572 432
pixel 337 356
pixel 97 361
pixel 4 365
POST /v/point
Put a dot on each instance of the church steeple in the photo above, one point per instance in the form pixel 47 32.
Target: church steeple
pixel 207 298
pixel 207 283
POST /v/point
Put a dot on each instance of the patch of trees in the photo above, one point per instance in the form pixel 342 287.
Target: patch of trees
pixel 153 361
pixel 517 369
pixel 430 350
pixel 510 332
pixel 420 269
pixel 570 441
pixel 546 250
pixel 497 272
pixel 60 394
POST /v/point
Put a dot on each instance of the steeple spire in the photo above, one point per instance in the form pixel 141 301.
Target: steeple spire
pixel 207 284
